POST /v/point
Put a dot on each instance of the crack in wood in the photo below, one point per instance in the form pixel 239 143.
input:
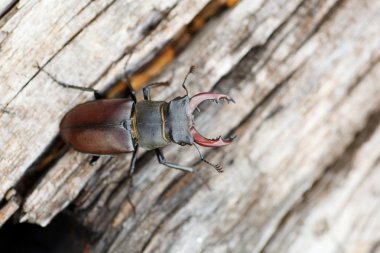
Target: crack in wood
pixel 74 36
pixel 222 236
pixel 256 54
pixel 175 206
pixel 375 248
pixel 154 63
pixel 174 230
pixel 362 75
pixel 151 24
pixel 53 152
pixel 84 7
pixel 320 23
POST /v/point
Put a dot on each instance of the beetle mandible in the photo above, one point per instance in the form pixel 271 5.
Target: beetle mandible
pixel 116 126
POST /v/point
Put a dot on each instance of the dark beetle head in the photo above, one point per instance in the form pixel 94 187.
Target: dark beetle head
pixel 180 120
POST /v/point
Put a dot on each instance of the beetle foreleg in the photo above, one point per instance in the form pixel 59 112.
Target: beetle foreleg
pixel 162 160
pixel 191 70
pixel 146 89
pixel 217 167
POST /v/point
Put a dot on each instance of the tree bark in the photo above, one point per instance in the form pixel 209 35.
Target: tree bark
pixel 302 174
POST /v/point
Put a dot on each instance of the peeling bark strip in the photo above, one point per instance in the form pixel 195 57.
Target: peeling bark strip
pixel 11 205
pixel 304 75
pixel 6 7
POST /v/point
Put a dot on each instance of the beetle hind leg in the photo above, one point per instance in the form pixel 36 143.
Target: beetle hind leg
pixel 97 93
pixel 132 166
pixel 131 91
pixel 94 159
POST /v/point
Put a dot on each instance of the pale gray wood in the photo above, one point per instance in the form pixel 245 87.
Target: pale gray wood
pixel 341 213
pixel 305 77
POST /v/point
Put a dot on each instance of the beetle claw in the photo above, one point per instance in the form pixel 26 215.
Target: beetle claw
pixel 200 97
pixel 193 105
pixel 219 168
pixel 203 141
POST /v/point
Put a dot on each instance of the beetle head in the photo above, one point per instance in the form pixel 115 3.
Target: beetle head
pixel 180 120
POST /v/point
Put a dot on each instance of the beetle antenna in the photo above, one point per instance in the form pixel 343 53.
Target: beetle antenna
pixel 191 70
pixel 217 167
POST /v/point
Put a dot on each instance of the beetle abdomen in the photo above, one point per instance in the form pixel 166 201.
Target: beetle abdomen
pixel 101 127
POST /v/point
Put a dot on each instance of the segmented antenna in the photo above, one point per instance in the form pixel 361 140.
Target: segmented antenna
pixel 191 70
pixel 129 51
pixel 217 167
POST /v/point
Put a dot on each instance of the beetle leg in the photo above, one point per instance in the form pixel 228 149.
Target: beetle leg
pixel 97 93
pixel 162 160
pixel 94 159
pixel 146 89
pixel 218 167
pixel 131 91
pixel 133 163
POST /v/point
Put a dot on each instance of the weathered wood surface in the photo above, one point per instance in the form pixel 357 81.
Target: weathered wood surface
pixel 302 174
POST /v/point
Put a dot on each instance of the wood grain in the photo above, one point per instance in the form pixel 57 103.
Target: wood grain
pixel 301 175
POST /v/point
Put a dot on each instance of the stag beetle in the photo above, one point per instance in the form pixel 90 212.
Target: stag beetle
pixel 115 126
